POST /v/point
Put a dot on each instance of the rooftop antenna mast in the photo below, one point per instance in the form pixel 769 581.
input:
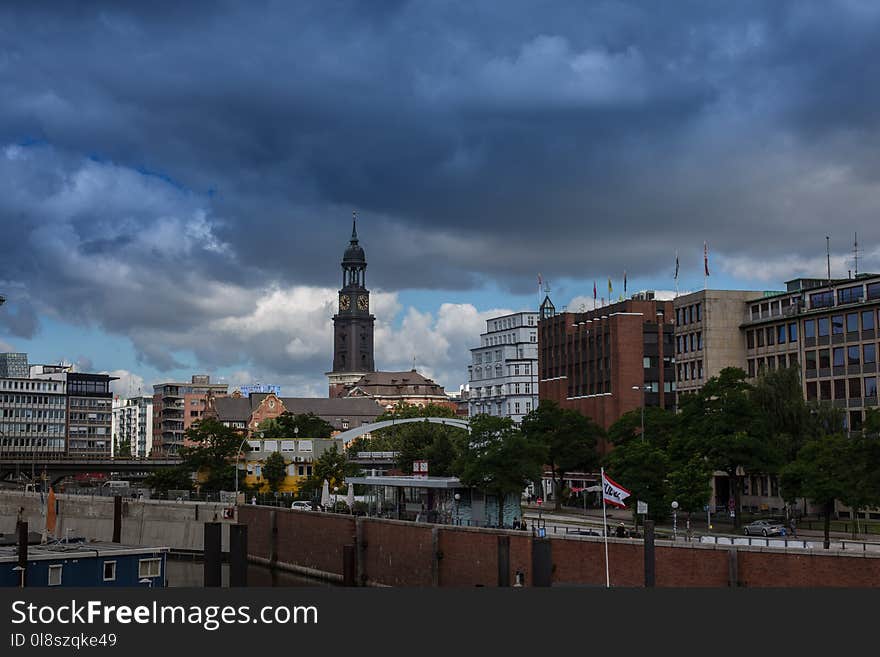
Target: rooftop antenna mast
pixel 828 256
pixel 856 254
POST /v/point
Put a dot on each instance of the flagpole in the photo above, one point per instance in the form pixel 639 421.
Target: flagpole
pixel 605 526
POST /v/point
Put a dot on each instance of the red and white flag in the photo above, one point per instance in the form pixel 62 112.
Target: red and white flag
pixel 612 492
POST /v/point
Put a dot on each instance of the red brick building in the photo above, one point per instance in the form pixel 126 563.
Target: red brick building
pixel 606 362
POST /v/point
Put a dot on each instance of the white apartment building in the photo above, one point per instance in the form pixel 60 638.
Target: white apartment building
pixel 503 374
pixel 133 422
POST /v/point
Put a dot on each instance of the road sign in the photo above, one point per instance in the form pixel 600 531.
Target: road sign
pixel 641 507
pixel 540 501
pixel 731 505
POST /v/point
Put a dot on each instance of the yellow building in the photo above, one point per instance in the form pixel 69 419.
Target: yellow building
pixel 298 454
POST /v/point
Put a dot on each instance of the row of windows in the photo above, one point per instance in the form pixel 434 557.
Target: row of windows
pixel 45 386
pixel 840 356
pixel 512 389
pixel 507 338
pixel 496 409
pixel 512 370
pixel 42 442
pixel 692 371
pixel 852 294
pixel 31 413
pixel 46 400
pixel 13 428
pixel 689 342
pixel 755 366
pixel 689 314
pixel 773 308
pixel 840 324
pixel 147 568
pixel 654 361
pixel 771 335
pixel 852 388
pixel 510 322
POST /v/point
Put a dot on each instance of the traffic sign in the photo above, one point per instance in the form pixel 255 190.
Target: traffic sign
pixel 641 507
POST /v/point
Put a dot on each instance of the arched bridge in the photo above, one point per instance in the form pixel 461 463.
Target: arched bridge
pixel 56 467
pixel 351 434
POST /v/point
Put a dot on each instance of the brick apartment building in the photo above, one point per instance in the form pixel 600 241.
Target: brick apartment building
pixel 176 406
pixel 606 362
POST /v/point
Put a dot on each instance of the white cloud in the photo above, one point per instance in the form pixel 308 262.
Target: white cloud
pixel 128 384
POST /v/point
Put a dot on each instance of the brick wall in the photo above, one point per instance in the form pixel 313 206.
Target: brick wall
pixel 398 553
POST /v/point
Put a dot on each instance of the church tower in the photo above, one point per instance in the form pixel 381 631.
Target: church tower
pixel 353 323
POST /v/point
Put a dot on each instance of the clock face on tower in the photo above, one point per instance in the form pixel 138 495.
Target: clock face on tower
pixel 363 302
pixel 344 302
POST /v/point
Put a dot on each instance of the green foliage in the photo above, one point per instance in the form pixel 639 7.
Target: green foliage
pixel 406 411
pixel 288 425
pixel 642 468
pixel 567 438
pixel 661 427
pixel 333 467
pixel 689 484
pixel 274 471
pixel 122 449
pixel 214 449
pixel 173 478
pixel 498 459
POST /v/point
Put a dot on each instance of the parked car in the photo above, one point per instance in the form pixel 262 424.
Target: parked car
pixel 764 528
pixel 301 506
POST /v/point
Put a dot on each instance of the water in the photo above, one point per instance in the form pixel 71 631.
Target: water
pixel 191 573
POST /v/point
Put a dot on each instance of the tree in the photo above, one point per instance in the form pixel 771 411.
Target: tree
pixel 439 445
pixel 498 459
pixel 333 467
pixel 661 426
pixel 288 425
pixel 274 471
pixel 823 473
pixel 174 478
pixel 568 439
pixel 779 399
pixel 689 485
pixel 122 449
pixel 212 453
pixel 721 423
pixel 642 468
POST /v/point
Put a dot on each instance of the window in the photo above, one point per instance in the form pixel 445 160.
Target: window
pixel 823 327
pixel 792 332
pixel 770 336
pixel 759 334
pixel 825 390
pixel 699 309
pixel 852 355
pixel 109 571
pixel 855 388
pixel 871 386
pixel 824 359
pixel 781 334
pixel 149 568
pixel 699 340
pixel 850 294
pixel 868 320
pixel 874 290
pixel 810 360
pixel 837 325
pixel 840 388
pixel 751 367
pixel 55 575
pixel 838 357
pixel 852 322
pixel 821 299
pixel 870 353
pixel 812 391
pixel 810 328
pixel 750 340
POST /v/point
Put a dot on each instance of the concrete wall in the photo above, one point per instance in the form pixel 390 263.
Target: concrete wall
pixel 177 525
pixel 397 553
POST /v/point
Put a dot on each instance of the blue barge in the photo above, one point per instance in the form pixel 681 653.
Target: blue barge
pixel 100 564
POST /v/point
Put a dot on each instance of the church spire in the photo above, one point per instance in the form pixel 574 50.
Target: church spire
pixel 354 233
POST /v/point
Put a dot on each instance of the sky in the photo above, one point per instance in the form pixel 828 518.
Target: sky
pixel 177 179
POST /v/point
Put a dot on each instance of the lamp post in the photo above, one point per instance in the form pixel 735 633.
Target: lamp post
pixel 457 497
pixel 237 455
pixel 644 389
pixel 674 519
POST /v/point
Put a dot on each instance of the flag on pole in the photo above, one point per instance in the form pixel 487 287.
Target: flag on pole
pixel 594 291
pixel 676 266
pixel 540 281
pixel 624 282
pixel 612 492
pixel 610 289
pixel 706 257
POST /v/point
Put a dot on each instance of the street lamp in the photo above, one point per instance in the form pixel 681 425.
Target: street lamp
pixel 335 493
pixel 457 498
pixel 237 455
pixel 644 389
pixel 674 519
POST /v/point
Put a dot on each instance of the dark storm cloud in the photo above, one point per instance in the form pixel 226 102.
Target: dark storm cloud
pixel 198 150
